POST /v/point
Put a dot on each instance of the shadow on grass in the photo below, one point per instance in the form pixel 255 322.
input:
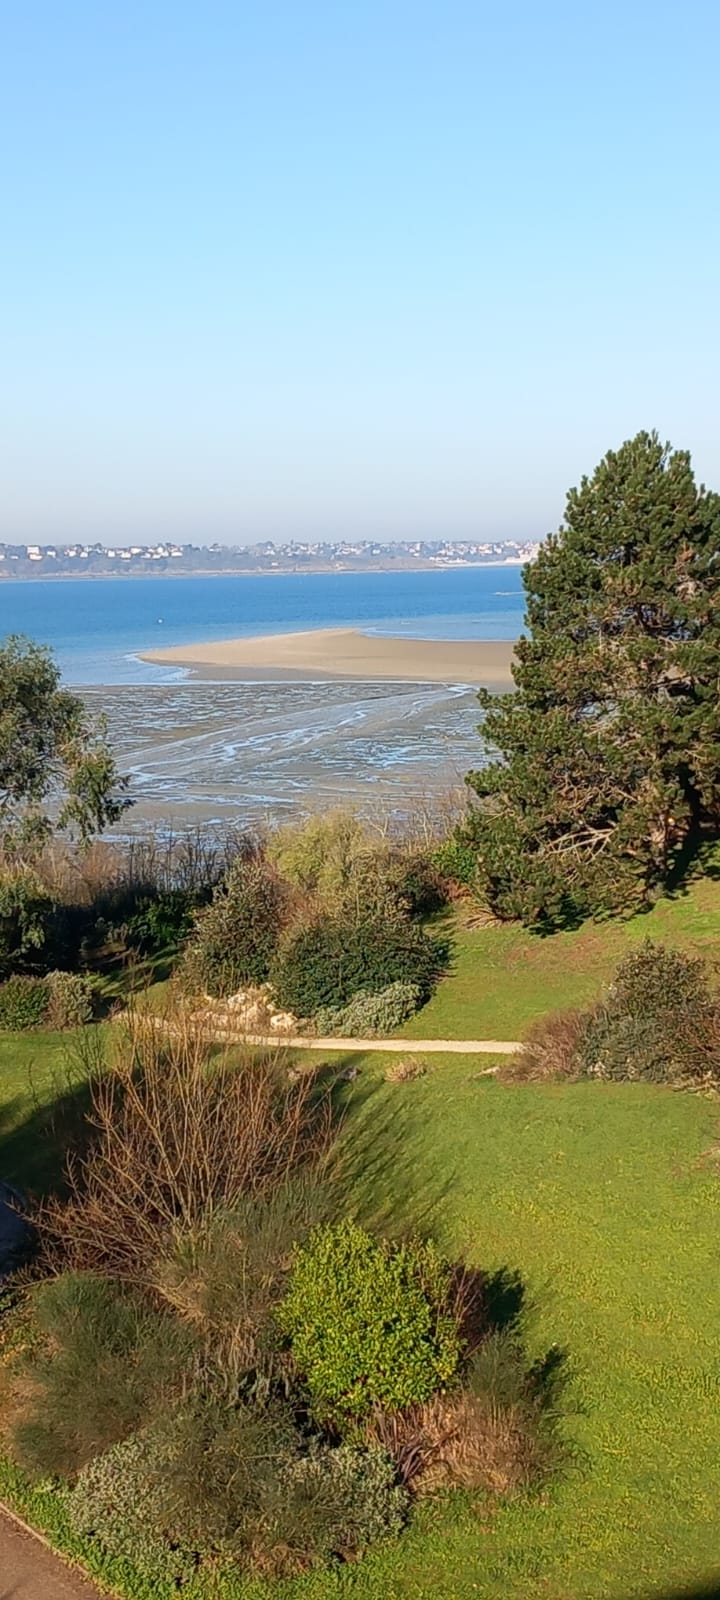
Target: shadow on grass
pixel 33 1151
pixel 702 1591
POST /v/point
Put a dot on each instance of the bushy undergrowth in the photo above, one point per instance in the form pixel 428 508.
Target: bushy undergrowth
pixel 115 1501
pixel 219 1484
pixel 71 999
pixel 226 1276
pixel 369 1323
pixel 100 1361
pixel 163 921
pixel 659 1022
pixel 336 1501
pixel 26 914
pixel 371 1015
pixel 23 1003
pixel 60 1000
pixel 336 858
pixel 323 964
pixel 236 936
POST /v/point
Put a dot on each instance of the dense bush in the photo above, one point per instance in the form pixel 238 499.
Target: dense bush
pixel 118 1501
pixel 215 1482
pixel 658 1022
pixel 26 916
pixel 222 1461
pixel 322 855
pixel 236 936
pixel 418 882
pixel 226 1276
pixel 98 1363
pixel 655 978
pixel 371 1015
pixel 61 1000
pixel 23 1003
pixel 70 1001
pixel 369 1323
pixel 325 963
pixel 334 1501
pixel 455 859
pixel 162 922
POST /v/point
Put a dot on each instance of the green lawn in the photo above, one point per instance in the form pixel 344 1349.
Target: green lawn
pixel 606 1200
pixel 502 977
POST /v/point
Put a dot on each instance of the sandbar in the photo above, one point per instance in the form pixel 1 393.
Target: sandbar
pixel 329 653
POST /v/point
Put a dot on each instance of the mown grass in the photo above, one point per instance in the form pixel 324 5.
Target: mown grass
pixel 502 977
pixel 605 1199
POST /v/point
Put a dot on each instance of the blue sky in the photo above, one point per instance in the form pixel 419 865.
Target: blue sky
pixel 316 268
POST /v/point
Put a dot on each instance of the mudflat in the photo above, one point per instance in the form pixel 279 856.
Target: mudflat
pixel 327 653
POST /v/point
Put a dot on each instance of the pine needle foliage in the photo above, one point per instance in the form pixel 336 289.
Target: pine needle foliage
pixel 607 757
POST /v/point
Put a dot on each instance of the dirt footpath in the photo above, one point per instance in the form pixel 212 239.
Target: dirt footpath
pixel 29 1571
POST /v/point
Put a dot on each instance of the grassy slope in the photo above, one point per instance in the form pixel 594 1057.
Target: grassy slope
pixel 605 1198
pixel 607 1202
pixel 502 977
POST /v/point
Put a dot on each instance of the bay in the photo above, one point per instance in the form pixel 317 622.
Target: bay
pixel 203 752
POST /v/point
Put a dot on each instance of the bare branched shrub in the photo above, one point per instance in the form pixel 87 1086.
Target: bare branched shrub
pixel 179 1132
pixel 551 1049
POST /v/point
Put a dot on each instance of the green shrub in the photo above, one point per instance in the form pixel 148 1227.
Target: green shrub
pixel 221 1463
pixel 236 936
pixel 70 1001
pixel 210 1483
pixel 26 917
pixel 98 1362
pixel 659 1022
pixel 322 855
pixel 161 922
pixel 656 979
pixel 419 884
pixel 369 1322
pixel 371 1015
pixel 325 963
pixel 23 1003
pixel 118 1500
pixel 331 1502
pixel 456 859
pixel 226 1277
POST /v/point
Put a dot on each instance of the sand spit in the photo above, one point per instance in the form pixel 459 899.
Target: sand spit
pixel 327 653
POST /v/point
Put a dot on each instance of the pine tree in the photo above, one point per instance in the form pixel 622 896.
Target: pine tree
pixel 606 760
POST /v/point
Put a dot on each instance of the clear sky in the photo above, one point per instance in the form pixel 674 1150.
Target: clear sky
pixel 315 268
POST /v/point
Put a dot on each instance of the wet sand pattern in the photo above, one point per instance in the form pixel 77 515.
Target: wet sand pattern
pixel 207 752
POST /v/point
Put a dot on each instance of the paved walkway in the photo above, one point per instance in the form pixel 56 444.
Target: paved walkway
pixel 30 1571
pixel 405 1047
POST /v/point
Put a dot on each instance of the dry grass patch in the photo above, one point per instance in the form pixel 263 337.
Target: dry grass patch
pixel 407 1068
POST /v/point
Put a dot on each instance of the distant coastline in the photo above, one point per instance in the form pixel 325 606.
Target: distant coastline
pixel 165 571
pixel 167 559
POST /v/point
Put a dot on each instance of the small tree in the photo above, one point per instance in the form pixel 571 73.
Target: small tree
pixel 52 752
pixel 608 754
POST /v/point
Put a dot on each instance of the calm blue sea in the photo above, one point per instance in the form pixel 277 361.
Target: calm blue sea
pixel 95 626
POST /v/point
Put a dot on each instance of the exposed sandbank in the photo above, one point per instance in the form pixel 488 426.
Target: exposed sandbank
pixel 327 653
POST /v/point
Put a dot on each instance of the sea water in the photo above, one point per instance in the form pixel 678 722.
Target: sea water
pixel 201 751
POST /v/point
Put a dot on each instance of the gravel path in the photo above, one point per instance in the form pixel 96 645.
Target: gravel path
pixel 30 1571
pixel 405 1047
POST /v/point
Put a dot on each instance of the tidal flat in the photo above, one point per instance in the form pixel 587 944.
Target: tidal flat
pixel 200 752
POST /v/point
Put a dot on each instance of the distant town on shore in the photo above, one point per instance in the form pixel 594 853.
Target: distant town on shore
pixel 139 560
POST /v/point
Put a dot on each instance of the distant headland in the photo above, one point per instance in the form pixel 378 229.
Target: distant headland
pixel 166 559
